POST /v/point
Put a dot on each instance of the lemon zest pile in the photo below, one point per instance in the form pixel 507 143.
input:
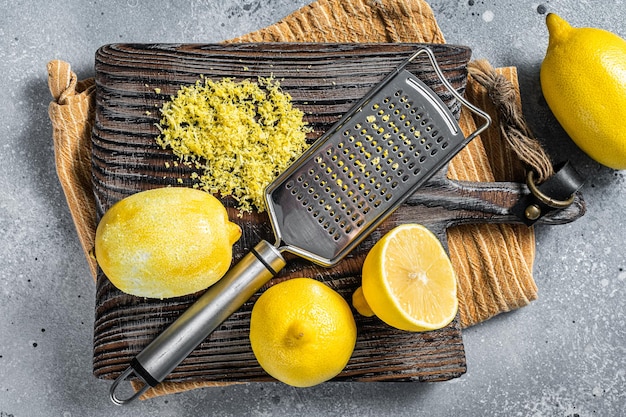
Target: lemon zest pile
pixel 239 135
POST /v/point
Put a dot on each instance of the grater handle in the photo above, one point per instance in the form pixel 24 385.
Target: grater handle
pixel 477 111
pixel 219 302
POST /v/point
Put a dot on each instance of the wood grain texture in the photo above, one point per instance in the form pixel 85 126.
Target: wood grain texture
pixel 323 80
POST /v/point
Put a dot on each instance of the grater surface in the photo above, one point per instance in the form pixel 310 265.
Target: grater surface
pixel 357 173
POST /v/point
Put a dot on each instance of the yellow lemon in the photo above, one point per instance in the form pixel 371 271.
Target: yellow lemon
pixel 583 79
pixel 302 332
pixel 408 281
pixel 165 242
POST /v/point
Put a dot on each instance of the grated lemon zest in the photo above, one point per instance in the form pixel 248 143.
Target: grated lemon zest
pixel 239 135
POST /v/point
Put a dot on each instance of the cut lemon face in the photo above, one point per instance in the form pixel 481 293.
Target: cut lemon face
pixel 408 281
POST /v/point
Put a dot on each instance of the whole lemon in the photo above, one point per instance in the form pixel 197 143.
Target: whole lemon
pixel 165 242
pixel 583 79
pixel 302 332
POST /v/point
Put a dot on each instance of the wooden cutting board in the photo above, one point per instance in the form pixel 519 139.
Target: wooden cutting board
pixel 324 80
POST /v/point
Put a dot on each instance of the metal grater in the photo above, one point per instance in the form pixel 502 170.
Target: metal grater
pixel 362 169
pixel 327 202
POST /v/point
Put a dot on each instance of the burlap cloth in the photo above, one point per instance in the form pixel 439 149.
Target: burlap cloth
pixel 493 262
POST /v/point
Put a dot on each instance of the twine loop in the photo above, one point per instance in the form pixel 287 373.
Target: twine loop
pixel 513 127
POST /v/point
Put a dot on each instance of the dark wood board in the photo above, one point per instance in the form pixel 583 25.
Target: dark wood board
pixel 324 80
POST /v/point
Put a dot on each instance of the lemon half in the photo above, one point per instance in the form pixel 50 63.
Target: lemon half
pixel 408 281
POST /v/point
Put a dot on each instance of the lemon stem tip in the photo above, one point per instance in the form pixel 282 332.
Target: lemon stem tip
pixel 360 303
pixel 234 232
pixel 557 26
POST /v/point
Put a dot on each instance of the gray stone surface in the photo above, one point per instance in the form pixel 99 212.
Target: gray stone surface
pixel 564 355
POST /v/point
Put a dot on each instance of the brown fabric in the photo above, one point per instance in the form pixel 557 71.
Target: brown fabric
pixel 493 262
pixel 72 116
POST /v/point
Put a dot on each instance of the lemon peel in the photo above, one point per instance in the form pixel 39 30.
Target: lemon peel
pixel 165 242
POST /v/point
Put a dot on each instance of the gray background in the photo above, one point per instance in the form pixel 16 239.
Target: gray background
pixel 564 355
